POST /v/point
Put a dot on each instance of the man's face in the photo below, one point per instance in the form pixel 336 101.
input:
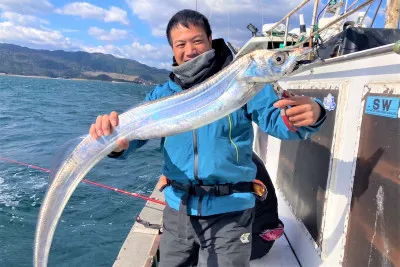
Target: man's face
pixel 188 43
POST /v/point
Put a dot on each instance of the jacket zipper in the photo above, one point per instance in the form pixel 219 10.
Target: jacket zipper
pixel 196 170
pixel 196 157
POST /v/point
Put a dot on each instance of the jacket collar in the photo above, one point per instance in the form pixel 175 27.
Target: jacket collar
pixel 175 87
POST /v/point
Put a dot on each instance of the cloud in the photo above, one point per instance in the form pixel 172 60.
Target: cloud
pixel 228 18
pixel 18 19
pixel 112 35
pixel 382 11
pixel 117 15
pixel 26 6
pixel 33 37
pixel 83 10
pixel 86 10
pixel 159 56
pixel 354 17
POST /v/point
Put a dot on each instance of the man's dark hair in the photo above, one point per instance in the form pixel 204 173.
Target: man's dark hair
pixel 188 17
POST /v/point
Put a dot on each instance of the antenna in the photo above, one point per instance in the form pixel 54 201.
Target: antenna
pixel 229 25
pixel 262 13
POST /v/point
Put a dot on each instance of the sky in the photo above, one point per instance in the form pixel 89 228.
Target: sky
pixel 135 29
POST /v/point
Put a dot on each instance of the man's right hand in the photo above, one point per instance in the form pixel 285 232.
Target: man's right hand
pixel 105 125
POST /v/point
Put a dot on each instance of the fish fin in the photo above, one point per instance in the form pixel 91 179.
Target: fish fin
pixel 61 153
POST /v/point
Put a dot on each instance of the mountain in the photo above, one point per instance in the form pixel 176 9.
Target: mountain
pixel 18 60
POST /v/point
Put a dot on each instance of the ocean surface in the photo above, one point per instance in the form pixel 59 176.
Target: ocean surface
pixel 37 118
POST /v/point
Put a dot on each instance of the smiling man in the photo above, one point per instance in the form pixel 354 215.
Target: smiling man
pixel 188 42
pixel 208 173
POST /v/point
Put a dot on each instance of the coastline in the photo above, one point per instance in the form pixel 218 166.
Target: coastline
pixel 70 79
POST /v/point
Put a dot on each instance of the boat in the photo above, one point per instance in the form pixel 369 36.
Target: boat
pixel 338 192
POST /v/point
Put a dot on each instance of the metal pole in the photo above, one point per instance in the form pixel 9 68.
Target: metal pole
pixel 343 16
pixel 366 13
pixel 360 54
pixel 352 4
pixel 289 14
pixel 286 31
pixel 392 14
pixel 376 13
pixel 314 18
pixel 335 21
pixel 339 8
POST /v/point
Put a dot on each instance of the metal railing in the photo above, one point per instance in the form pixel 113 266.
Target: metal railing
pixel 313 32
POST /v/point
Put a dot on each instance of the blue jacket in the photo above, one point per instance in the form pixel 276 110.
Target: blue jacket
pixel 220 152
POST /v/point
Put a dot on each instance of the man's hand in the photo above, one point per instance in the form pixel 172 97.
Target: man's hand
pixel 105 125
pixel 304 110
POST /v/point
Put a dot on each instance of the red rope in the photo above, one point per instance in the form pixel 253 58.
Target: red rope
pixel 92 183
pixel 25 164
pixel 125 192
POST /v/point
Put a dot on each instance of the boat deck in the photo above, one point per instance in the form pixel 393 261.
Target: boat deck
pixel 142 242
pixel 280 255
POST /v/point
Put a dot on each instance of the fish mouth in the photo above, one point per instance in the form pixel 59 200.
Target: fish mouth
pixel 301 53
pixel 305 50
pixel 297 50
pixel 298 56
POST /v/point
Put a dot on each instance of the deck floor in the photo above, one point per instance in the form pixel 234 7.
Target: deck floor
pixel 141 242
pixel 280 255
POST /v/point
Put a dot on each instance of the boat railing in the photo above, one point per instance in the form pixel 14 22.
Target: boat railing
pixel 314 31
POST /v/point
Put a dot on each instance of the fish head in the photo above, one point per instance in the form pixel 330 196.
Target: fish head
pixel 280 62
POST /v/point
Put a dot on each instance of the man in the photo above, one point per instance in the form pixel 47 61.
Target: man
pixel 204 226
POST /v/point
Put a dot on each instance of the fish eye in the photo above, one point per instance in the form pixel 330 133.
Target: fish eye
pixel 279 58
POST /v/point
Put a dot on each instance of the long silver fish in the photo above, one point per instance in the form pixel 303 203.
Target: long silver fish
pixel 205 103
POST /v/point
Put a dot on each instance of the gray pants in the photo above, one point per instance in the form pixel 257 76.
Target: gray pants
pixel 217 240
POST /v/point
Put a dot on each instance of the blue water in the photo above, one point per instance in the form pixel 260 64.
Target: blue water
pixel 37 116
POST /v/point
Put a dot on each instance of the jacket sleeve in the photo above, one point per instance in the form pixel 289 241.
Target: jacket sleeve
pixel 135 144
pixel 268 118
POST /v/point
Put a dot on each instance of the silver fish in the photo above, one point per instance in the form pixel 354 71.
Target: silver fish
pixel 205 103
